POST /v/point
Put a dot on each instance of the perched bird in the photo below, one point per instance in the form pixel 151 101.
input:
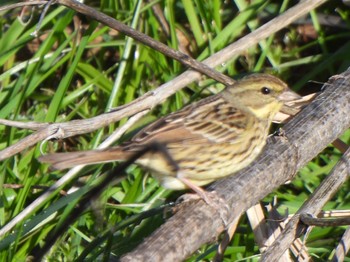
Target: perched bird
pixel 209 139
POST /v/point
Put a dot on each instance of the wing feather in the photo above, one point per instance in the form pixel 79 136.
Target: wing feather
pixel 214 121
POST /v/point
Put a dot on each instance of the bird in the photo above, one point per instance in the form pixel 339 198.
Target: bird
pixel 207 140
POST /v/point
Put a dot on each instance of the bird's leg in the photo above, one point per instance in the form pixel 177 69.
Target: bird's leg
pixel 210 198
pixel 197 189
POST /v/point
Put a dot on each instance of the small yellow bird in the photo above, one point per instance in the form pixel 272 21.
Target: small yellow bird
pixel 209 139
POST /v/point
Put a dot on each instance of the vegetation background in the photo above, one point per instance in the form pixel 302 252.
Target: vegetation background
pixel 77 68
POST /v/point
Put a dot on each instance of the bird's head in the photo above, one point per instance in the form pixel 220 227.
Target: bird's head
pixel 261 94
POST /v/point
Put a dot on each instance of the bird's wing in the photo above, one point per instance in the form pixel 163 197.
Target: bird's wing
pixel 211 120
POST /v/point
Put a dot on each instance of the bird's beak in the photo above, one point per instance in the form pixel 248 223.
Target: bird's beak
pixel 289 99
pixel 288 95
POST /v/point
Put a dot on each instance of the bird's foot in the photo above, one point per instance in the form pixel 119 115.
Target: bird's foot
pixel 211 198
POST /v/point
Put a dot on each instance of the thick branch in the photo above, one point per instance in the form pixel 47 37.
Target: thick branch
pixel 329 186
pixel 304 137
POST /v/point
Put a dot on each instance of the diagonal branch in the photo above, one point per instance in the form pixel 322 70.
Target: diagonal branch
pixel 312 206
pixel 343 247
pixel 303 138
pixel 145 39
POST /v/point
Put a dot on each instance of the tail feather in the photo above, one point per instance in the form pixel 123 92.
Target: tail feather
pixel 66 160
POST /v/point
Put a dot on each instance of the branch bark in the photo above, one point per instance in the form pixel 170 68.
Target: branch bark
pixel 329 186
pixel 343 247
pixel 303 138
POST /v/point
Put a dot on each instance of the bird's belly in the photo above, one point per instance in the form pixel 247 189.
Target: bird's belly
pixel 201 165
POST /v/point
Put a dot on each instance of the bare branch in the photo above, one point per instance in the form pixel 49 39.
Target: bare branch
pixel 310 220
pixel 21 4
pixel 331 184
pixel 25 125
pixel 146 40
pixel 43 134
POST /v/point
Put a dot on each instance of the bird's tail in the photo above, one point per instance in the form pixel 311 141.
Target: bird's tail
pixel 67 160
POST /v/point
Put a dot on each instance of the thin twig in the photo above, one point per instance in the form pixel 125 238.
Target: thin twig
pixel 309 220
pixel 16 5
pixel 146 40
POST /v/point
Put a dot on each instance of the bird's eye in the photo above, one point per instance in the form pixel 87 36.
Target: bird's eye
pixel 265 90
